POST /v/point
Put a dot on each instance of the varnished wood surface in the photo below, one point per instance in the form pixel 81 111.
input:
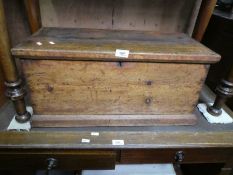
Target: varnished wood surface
pixel 191 155
pixel 201 143
pixel 155 15
pixel 202 135
pixel 9 69
pixel 193 18
pixel 87 87
pixel 16 19
pixel 90 159
pixel 206 11
pixel 207 145
pixel 66 159
pixel 201 126
pixel 33 14
pixel 111 120
pixel 91 44
pixel 7 63
pixel 72 140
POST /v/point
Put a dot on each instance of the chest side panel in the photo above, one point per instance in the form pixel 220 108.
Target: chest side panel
pixel 95 87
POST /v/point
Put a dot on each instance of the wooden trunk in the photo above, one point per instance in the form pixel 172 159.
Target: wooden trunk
pixel 75 79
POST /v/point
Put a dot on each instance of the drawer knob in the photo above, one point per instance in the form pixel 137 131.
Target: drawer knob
pixel 179 157
pixel 52 163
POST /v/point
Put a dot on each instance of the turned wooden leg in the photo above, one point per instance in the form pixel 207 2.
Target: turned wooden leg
pixel 223 91
pixel 15 90
pixel 205 13
pixel 33 14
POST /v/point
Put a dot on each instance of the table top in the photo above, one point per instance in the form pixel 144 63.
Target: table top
pixel 201 135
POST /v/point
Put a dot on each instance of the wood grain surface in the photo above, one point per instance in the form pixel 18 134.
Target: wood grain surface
pixel 92 44
pixel 211 155
pixel 111 120
pixel 206 11
pixel 16 20
pixel 155 15
pixel 88 87
pixel 66 160
pixel 137 139
pixel 33 14
pixel 7 63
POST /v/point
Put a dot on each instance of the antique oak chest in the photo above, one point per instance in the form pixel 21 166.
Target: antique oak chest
pixel 91 77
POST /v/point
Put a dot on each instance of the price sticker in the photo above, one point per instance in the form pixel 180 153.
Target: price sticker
pixel 122 53
pixel 95 133
pixel 118 142
pixel 85 141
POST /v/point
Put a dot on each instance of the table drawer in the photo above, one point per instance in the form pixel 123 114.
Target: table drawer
pixel 210 155
pixel 67 160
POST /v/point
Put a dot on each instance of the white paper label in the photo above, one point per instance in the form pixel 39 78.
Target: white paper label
pixel 51 42
pixel 118 142
pixel 95 133
pixel 122 53
pixel 39 43
pixel 85 141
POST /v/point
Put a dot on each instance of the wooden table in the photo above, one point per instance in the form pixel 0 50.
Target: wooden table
pixel 184 145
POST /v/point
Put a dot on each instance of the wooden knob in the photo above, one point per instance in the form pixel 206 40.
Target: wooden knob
pixel 179 157
pixel 51 163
